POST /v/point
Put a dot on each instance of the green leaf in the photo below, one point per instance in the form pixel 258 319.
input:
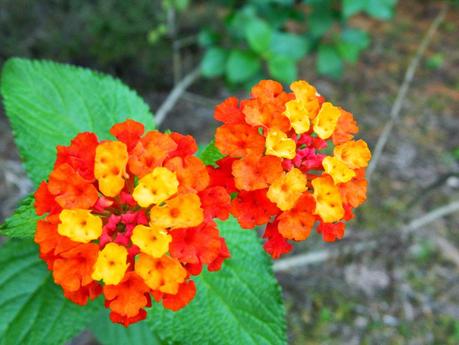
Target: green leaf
pixel 49 103
pixel 108 333
pixel 351 7
pixel 241 66
pixel 283 68
pixel 381 9
pixel 258 34
pixel 290 45
pixel 33 310
pixel 329 62
pixel 241 304
pixel 213 62
pixel 320 20
pixel 351 43
pixel 22 223
pixel 210 154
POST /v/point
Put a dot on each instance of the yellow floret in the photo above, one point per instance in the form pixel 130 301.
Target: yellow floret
pixel 111 264
pixel 337 170
pixel 355 154
pixel 164 274
pixel 279 145
pixel 329 205
pixel 183 211
pixel 325 122
pixel 79 225
pixel 286 190
pixel 110 167
pixel 151 240
pixel 156 187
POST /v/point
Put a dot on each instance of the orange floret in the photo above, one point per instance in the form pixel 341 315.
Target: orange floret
pixel 296 224
pixel 128 297
pixel 191 173
pixel 254 172
pixel 70 189
pixel 229 111
pixel 128 132
pixel 253 208
pixel 73 268
pixel 355 154
pixel 185 295
pixel 354 192
pixel 345 128
pixel 239 140
pixel 150 152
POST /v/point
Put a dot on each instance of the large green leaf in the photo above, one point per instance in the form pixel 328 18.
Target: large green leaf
pixel 33 310
pixel 241 304
pixel 22 223
pixel 49 103
pixel 109 333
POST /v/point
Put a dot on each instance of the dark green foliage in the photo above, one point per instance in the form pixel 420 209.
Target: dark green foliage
pixel 255 34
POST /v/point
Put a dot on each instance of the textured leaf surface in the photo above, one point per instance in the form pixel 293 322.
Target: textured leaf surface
pixel 241 304
pixel 108 333
pixel 49 103
pixel 22 223
pixel 33 309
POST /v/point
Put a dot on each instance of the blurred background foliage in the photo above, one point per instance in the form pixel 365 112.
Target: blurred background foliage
pixel 240 41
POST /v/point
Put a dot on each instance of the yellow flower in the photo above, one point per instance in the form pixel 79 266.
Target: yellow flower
pixel 297 113
pixel 306 94
pixel 79 225
pixel 279 145
pixel 286 190
pixel 163 274
pixel 183 211
pixel 355 154
pixel 329 205
pixel 156 187
pixel 337 170
pixel 326 120
pixel 110 167
pixel 111 264
pixel 151 240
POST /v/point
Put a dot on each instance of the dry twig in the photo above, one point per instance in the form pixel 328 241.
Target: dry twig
pixel 175 94
pixel 397 106
pixel 362 246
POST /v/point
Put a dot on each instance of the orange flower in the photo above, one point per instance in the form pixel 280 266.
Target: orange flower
pixel 133 217
pixel 278 167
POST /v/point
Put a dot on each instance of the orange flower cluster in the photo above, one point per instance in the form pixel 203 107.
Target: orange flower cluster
pixel 293 161
pixel 130 218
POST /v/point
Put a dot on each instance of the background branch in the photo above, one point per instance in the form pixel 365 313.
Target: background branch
pixel 397 105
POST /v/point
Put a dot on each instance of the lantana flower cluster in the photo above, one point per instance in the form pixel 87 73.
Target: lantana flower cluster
pixel 292 163
pixel 131 218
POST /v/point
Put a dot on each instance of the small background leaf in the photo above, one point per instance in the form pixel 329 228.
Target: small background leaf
pixel 258 34
pixel 33 310
pixel 241 66
pixel 283 68
pixel 213 62
pixel 329 62
pixel 210 154
pixel 49 103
